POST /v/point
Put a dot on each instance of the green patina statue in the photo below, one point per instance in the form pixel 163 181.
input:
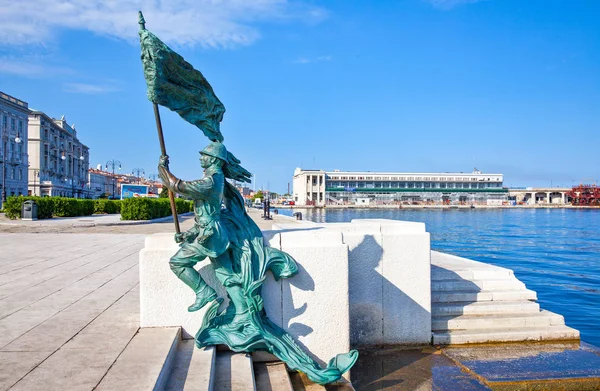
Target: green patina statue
pixel 222 230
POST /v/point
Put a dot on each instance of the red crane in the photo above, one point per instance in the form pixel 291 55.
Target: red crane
pixel 585 195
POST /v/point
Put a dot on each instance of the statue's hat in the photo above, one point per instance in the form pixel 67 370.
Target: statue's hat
pixel 215 149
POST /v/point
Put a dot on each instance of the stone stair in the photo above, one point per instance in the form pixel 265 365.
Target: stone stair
pixel 159 359
pixel 474 302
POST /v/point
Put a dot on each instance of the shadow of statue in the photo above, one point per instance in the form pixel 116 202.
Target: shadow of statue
pixel 379 312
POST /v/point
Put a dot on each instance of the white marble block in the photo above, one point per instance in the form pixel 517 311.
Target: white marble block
pixel 389 280
pixel 312 306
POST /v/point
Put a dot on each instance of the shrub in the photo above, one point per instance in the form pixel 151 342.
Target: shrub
pixel 107 206
pixel 150 208
pixel 50 206
pixel 70 207
pixel 12 206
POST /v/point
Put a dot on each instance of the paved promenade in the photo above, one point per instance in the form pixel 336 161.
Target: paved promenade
pixel 69 306
pixel 69 299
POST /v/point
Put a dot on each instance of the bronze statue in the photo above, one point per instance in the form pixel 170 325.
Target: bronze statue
pixel 222 230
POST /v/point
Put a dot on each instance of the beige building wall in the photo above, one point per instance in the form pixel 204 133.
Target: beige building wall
pixel 309 187
pixel 58 162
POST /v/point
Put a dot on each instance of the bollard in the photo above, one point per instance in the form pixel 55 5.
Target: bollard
pixel 298 215
pixel 275 211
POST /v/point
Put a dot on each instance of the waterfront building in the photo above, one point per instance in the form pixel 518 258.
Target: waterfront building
pixel 540 195
pixel 319 188
pixel 99 182
pixel 58 161
pixel 13 149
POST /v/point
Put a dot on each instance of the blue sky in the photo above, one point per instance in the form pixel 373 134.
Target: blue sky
pixel 508 86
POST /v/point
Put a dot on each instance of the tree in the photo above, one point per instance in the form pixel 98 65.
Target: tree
pixel 258 194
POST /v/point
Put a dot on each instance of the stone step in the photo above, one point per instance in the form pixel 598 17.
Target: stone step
pixel 484 307
pixel 471 322
pixel 272 376
pixel 301 382
pixel 460 296
pixel 439 274
pixel 146 362
pixel 233 372
pixel 509 334
pixel 193 368
pixel 476 285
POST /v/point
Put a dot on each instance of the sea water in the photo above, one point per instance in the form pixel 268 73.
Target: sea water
pixel 555 252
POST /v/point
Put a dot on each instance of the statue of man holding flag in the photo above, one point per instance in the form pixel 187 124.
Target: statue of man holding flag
pixel 222 230
pixel 206 238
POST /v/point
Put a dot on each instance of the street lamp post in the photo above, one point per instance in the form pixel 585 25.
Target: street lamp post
pixel 137 172
pixel 4 153
pixel 113 163
pixel 63 157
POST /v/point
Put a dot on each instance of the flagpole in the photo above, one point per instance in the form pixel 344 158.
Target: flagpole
pixel 161 139
pixel 163 150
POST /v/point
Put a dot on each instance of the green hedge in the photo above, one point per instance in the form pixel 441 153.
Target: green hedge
pixel 151 208
pixel 107 206
pixel 70 207
pixel 60 206
pixel 12 206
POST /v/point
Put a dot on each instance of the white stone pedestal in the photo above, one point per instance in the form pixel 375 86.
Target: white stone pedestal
pixel 364 283
pixel 389 279
pixel 312 306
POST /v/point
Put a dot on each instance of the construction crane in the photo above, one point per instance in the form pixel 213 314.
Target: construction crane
pixel 585 194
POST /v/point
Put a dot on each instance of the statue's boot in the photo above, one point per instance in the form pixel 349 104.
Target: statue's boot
pixel 203 296
pixel 204 293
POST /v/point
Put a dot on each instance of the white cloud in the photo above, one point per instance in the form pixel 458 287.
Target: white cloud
pixel 84 88
pixel 305 60
pixel 447 4
pixel 209 23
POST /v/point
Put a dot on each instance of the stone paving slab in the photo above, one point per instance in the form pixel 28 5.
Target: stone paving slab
pixel 65 323
pixel 83 361
pixel 142 364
